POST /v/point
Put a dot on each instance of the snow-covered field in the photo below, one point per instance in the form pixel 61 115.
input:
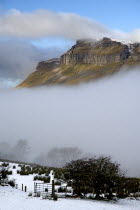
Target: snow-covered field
pixel 11 199
pixel 20 179
pixel 26 180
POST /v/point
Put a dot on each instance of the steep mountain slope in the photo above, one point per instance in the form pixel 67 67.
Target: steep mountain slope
pixel 85 61
pixel 134 59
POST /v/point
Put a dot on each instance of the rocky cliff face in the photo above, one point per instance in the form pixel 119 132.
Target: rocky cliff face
pixel 99 53
pixel 48 65
pixel 86 60
pixel 135 52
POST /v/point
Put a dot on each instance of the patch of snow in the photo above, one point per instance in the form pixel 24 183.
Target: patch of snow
pixel 11 198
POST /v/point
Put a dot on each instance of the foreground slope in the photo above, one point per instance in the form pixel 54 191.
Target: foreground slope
pixel 11 198
pixel 86 60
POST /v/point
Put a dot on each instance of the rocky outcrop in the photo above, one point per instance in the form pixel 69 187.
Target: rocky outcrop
pixel 100 53
pixel 87 60
pixel 45 66
pixel 37 77
pixel 135 51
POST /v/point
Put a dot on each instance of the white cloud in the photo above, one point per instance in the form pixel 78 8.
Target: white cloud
pixel 44 23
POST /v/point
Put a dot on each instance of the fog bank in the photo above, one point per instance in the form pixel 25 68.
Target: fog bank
pixel 18 58
pixel 99 117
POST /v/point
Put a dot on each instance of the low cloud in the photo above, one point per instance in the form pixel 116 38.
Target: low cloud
pixel 9 82
pixel 18 58
pixel 99 118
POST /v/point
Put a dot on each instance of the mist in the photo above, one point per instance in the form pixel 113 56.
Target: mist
pixel 101 118
pixel 19 58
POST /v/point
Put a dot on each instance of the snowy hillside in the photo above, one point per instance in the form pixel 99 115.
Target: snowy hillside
pixel 11 198
pixel 26 180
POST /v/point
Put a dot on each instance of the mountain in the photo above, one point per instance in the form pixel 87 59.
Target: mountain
pixel 86 60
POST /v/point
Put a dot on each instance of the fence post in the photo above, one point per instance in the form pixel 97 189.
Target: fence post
pixel 22 187
pixel 25 188
pixel 104 193
pixel 65 190
pixel 53 188
pixel 93 192
pixel 34 188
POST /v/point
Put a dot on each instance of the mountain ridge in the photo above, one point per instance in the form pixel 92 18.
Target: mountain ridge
pixel 87 60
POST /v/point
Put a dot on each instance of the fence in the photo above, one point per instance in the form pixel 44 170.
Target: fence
pixel 44 188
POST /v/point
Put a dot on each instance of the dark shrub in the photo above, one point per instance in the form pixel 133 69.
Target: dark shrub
pixel 9 172
pixel 61 189
pixel 18 171
pixel 24 172
pixel 30 194
pixel 11 183
pixel 5 164
pixel 42 178
pixel 6 172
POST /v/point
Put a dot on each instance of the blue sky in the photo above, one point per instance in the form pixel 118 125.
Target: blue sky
pixel 115 14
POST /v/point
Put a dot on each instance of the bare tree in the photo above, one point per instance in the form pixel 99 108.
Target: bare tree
pixel 58 157
pixel 21 150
